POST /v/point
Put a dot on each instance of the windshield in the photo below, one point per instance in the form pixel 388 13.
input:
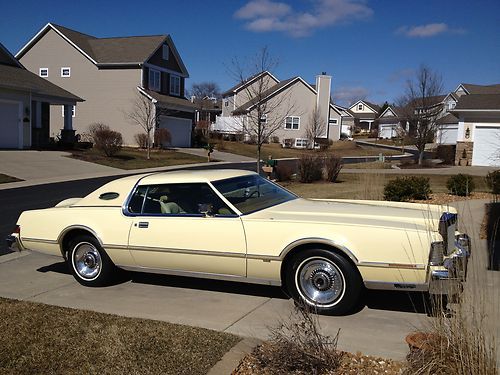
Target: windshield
pixel 252 193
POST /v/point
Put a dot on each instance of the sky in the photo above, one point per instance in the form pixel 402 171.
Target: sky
pixel 369 47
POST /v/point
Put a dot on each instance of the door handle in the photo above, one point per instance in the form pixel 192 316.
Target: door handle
pixel 143 224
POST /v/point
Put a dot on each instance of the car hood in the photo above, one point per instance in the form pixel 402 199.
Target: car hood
pixel 358 212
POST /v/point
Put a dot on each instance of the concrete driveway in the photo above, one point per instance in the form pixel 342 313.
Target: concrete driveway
pixel 47 166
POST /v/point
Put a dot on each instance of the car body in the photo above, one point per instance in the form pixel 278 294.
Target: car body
pixel 236 225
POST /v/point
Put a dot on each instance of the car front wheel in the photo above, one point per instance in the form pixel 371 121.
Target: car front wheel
pixel 89 263
pixel 325 281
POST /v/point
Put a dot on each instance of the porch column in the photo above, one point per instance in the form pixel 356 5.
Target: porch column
pixel 68 134
pixel 68 117
pixel 369 126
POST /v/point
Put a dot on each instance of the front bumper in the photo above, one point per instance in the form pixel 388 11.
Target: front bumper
pixel 14 242
pixel 449 278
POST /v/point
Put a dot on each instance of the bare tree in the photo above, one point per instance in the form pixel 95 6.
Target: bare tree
pixel 315 127
pixel 264 113
pixel 421 106
pixel 145 115
pixel 203 94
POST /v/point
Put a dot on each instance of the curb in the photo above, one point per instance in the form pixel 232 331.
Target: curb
pixel 232 358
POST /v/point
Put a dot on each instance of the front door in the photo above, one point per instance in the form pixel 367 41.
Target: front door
pixel 186 227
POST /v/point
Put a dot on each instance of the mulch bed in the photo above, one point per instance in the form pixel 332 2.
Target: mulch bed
pixel 444 198
pixel 351 364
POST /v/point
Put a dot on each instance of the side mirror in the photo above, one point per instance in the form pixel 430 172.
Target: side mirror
pixel 206 209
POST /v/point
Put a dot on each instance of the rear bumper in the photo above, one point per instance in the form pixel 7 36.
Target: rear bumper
pixel 14 242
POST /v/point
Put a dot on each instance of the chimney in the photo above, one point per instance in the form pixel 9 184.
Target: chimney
pixel 323 83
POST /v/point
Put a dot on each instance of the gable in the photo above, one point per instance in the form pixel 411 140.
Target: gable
pixel 174 62
pixel 365 108
pixel 268 77
pixel 6 57
pixel 389 112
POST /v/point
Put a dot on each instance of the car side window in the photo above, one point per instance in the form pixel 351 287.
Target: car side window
pixel 181 199
pixel 137 199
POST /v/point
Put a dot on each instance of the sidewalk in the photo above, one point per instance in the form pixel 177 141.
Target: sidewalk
pixel 216 155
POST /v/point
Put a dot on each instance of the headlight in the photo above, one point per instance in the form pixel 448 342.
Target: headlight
pixel 436 256
pixel 462 242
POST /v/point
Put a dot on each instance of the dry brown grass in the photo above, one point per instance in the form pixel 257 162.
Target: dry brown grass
pixel 43 339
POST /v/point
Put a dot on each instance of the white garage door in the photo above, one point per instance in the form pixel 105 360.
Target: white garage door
pixel 10 125
pixel 486 150
pixel 180 130
pixel 447 135
pixel 387 131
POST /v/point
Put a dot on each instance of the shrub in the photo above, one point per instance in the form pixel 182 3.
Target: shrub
pixel 106 140
pixel 283 172
pixel 310 168
pixel 324 144
pixel 296 346
pixel 403 189
pixel 460 184
pixel 141 139
pixel 162 137
pixel 333 165
pixel 493 181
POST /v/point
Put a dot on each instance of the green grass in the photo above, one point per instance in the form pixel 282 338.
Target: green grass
pixel 133 158
pixel 4 179
pixel 340 148
pixel 366 186
pixel 43 339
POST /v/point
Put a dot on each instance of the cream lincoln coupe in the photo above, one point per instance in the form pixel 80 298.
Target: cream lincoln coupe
pixel 236 225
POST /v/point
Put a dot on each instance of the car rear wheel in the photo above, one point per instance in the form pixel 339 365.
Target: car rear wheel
pixel 89 263
pixel 325 281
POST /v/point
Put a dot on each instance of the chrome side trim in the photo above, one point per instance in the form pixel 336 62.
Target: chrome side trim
pixel 384 285
pixel 203 275
pixel 39 240
pixel 311 240
pixel 392 265
pixel 184 251
pixel 77 226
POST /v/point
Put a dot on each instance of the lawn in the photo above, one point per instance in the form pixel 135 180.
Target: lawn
pixel 43 339
pixel 4 179
pixel 365 186
pixel 341 148
pixel 133 158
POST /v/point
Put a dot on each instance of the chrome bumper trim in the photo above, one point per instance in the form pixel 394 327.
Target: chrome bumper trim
pixel 14 243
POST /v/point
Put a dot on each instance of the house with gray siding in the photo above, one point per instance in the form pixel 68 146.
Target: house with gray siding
pixel 295 100
pixel 109 73
pixel 25 102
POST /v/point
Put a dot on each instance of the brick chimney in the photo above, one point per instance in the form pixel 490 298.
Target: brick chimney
pixel 323 83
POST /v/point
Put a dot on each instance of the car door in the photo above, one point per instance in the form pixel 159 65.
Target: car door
pixel 185 227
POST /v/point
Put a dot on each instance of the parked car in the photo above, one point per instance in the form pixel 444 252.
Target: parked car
pixel 236 225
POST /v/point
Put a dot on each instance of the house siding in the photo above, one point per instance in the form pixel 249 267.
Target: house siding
pixel 171 63
pixel 108 93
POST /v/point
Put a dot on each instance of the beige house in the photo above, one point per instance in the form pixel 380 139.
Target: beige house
pixel 109 73
pixel 25 102
pixel 294 104
pixel 365 114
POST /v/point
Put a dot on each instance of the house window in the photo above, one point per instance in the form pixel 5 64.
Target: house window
pixel 226 103
pixel 66 72
pixel 175 85
pixel 44 72
pixel 333 121
pixel 164 52
pixel 451 105
pixel 360 107
pixel 263 119
pixel 301 142
pixel 73 111
pixel 154 80
pixel 292 122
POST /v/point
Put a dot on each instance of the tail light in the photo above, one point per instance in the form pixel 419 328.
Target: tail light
pixel 17 229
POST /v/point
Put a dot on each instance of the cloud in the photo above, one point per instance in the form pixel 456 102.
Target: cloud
pixel 262 8
pixel 348 95
pixel 268 15
pixel 429 30
pixel 400 75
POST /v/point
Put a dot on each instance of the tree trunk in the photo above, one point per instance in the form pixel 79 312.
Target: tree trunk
pixel 149 147
pixel 258 158
pixel 421 157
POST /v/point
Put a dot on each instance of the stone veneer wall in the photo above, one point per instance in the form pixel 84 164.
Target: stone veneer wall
pixel 461 146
